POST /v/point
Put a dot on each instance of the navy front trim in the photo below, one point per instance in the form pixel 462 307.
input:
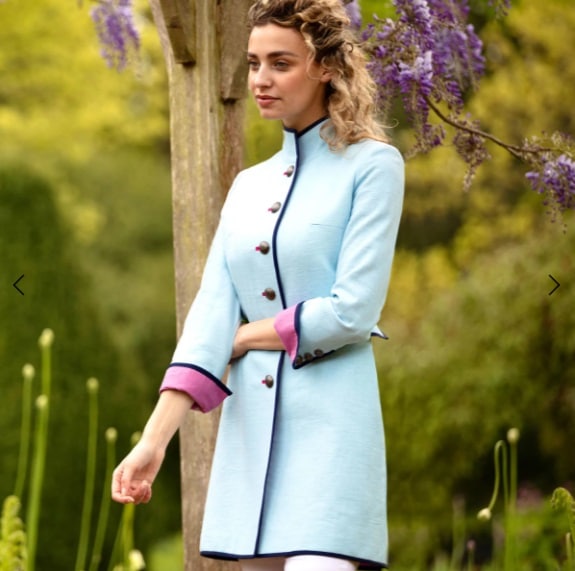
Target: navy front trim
pixel 205 373
pixel 276 404
pixel 276 228
pixel 363 563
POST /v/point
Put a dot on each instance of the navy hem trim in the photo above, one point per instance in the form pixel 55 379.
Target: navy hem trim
pixel 382 336
pixel 205 373
pixel 363 563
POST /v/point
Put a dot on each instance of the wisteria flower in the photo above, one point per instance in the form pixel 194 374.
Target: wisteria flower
pixel 354 13
pixel 556 179
pixel 116 31
pixel 429 53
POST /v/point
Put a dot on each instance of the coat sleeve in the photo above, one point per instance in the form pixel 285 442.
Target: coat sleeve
pixel 316 327
pixel 205 346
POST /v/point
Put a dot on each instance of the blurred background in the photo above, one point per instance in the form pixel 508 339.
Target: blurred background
pixel 476 343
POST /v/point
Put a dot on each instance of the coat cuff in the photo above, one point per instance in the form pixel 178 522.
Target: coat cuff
pixel 286 325
pixel 207 391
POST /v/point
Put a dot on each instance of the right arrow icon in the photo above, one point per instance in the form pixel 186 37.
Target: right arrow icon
pixel 557 284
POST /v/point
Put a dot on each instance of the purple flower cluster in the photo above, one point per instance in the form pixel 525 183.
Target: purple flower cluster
pixel 555 178
pixel 470 146
pixel 116 31
pixel 430 52
pixel 353 12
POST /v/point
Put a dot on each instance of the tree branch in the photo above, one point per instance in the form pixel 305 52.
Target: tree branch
pixel 515 150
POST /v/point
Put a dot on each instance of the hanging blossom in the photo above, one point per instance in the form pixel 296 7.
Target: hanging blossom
pixel 555 179
pixel 353 12
pixel 429 57
pixel 114 21
pixel 429 53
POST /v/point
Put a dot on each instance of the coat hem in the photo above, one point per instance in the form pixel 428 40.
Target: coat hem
pixel 364 564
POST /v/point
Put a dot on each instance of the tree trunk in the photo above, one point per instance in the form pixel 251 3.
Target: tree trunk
pixel 204 44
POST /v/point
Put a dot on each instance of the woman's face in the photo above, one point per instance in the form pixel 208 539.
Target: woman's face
pixel 286 84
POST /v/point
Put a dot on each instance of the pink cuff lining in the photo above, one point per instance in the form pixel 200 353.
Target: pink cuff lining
pixel 285 326
pixel 206 391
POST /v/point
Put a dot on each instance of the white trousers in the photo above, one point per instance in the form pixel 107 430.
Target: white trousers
pixel 297 563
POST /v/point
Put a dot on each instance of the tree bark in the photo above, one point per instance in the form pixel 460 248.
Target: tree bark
pixel 204 44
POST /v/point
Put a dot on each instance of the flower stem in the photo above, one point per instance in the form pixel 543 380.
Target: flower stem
pixel 127 534
pixel 569 549
pixel 499 446
pixel 111 436
pixel 37 478
pixel 40 446
pixel 92 387
pixel 25 429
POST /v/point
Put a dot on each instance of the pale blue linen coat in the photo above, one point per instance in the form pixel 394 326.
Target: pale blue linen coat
pixel 306 237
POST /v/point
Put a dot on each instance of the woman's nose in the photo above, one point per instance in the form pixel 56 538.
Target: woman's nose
pixel 262 77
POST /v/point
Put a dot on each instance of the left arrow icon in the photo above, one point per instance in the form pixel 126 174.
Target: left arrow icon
pixel 15 284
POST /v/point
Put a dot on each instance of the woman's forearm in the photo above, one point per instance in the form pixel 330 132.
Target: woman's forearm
pixel 166 418
pixel 257 335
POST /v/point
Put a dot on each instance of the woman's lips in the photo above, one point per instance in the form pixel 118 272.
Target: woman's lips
pixel 265 100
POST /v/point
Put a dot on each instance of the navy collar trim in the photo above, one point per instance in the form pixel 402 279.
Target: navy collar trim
pixel 299 134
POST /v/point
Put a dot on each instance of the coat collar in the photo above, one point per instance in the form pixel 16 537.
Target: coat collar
pixel 297 145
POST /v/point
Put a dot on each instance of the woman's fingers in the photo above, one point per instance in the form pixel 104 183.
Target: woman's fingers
pixel 132 479
pixel 123 485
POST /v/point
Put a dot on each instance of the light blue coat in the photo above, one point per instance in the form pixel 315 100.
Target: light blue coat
pixel 306 237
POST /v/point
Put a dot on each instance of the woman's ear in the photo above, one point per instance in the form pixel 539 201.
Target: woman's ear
pixel 326 75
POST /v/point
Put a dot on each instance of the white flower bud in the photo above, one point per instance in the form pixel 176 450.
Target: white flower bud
pixel 484 514
pixel 111 435
pixel 46 338
pixel 28 371
pixel 513 435
pixel 136 560
pixel 92 385
pixel 42 402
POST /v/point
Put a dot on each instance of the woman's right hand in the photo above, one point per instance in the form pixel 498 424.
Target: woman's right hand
pixel 133 478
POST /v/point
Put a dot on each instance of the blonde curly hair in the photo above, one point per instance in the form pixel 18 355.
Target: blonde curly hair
pixel 326 30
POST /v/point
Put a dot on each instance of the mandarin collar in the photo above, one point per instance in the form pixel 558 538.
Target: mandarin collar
pixel 297 145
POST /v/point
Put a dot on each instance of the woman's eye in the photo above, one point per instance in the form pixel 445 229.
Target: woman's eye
pixel 281 64
pixel 252 64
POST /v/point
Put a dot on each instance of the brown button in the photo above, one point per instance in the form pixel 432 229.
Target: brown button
pixel 318 353
pixel 298 360
pixel 308 356
pixel 269 293
pixel 275 207
pixel 263 247
pixel 289 171
pixel 268 381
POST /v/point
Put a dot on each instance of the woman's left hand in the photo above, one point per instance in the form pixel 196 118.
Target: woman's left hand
pixel 259 335
pixel 239 349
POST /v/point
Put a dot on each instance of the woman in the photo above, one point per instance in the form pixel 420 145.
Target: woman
pixel 292 291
